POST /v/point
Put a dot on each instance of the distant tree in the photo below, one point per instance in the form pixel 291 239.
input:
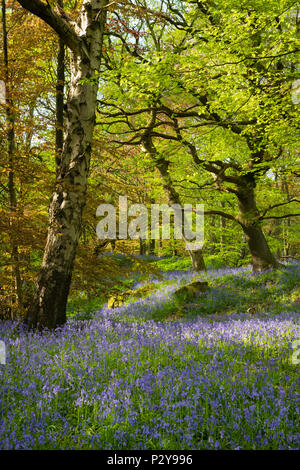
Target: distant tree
pixel 21 232
pixel 11 145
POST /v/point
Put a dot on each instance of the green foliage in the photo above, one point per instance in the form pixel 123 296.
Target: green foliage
pixel 82 307
pixel 172 264
pixel 269 292
pixel 226 84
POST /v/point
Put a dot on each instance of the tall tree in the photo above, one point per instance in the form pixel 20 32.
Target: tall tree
pixel 84 38
pixel 220 87
pixel 173 196
pixel 11 189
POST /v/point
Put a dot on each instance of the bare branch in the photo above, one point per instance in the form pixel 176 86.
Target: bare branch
pixel 278 205
pixel 279 216
pixel 222 214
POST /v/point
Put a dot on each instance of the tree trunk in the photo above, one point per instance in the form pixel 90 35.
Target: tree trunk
pixel 243 247
pixel 11 189
pixel 262 258
pixel 151 242
pixel 196 256
pixel 151 247
pixel 160 247
pixel 174 249
pixel 68 200
pixel 142 244
pixel 197 260
pixel 162 165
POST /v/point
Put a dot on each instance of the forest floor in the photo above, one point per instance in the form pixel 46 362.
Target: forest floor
pixel 212 372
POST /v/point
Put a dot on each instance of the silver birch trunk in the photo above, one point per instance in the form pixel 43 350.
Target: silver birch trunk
pixel 68 200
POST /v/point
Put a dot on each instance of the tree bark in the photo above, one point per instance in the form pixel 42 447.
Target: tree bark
pixel 243 251
pixel 151 247
pixel 196 256
pixel 11 188
pixel 60 87
pixel 151 242
pixel 143 246
pixel 68 200
pixel 162 165
pixel 248 216
pixel 174 249
pixel 198 263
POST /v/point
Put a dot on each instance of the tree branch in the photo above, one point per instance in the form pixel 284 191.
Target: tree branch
pixel 222 214
pixel 279 216
pixel 277 205
pixel 60 25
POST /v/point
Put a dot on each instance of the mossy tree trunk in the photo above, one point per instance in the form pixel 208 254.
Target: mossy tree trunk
pixel 262 257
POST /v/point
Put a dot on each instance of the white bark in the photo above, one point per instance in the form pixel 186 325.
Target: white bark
pixel 85 42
